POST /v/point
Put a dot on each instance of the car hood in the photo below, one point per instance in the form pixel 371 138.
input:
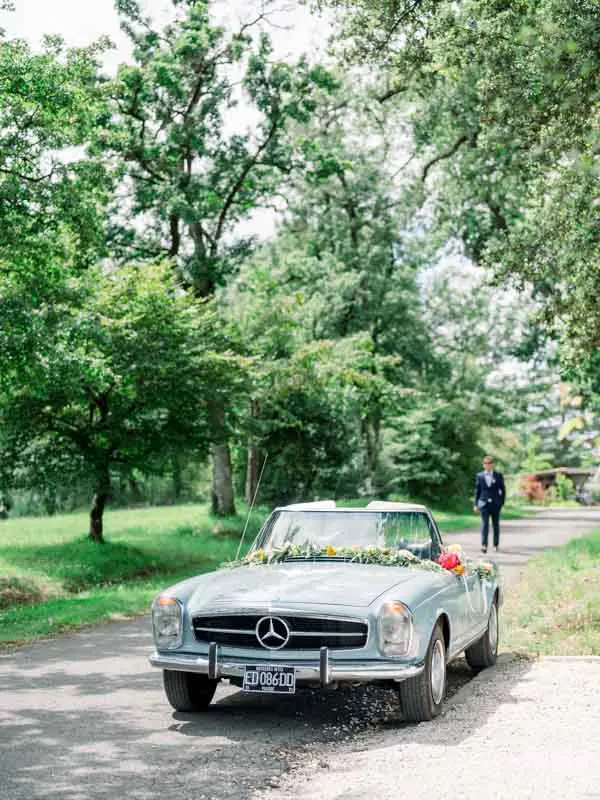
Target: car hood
pixel 293 584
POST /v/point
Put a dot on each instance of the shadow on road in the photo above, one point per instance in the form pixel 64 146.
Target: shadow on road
pixel 100 735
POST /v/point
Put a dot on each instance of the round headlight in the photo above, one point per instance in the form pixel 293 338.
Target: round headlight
pixel 395 629
pixel 167 622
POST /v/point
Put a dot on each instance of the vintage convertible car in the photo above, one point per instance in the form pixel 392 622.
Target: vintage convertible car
pixel 326 595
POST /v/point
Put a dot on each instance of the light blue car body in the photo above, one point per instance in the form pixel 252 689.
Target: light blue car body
pixel 337 591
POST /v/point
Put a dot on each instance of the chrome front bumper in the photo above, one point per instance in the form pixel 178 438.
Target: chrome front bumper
pixel 323 671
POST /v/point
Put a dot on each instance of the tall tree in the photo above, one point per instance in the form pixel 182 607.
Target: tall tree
pixel 348 239
pixel 472 401
pixel 51 196
pixel 188 173
pixel 308 396
pixel 125 375
pixel 504 101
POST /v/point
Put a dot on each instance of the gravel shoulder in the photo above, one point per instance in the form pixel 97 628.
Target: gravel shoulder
pixel 519 730
pixel 522 730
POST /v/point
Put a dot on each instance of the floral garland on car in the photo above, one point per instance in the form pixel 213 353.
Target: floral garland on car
pixel 386 556
pixel 452 559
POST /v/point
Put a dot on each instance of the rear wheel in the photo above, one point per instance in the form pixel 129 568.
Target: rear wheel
pixel 422 697
pixel 484 652
pixel 187 691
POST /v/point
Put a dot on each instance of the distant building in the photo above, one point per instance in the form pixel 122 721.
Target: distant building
pixel 577 475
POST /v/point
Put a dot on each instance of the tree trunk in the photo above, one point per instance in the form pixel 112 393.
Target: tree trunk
pixel 223 502
pixel 371 429
pixel 254 459
pixel 97 509
pixel 177 478
pixel 134 488
pixel 223 498
pixel 252 472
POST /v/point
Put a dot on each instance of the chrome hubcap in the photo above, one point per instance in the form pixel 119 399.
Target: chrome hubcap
pixel 493 628
pixel 438 672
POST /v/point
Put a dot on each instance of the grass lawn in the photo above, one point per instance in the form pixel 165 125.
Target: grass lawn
pixel 555 609
pixel 449 521
pixel 52 577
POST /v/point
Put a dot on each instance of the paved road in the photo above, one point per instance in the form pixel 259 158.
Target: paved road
pixel 83 717
pixel 520 539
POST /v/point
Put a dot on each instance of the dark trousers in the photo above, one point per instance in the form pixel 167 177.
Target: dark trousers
pixel 493 511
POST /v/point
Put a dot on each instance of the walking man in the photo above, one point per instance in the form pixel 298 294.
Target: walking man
pixel 490 495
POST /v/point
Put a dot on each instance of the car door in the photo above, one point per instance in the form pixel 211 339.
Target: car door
pixel 474 604
pixel 457 598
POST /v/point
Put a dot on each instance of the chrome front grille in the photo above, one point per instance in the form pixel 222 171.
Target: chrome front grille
pixel 305 633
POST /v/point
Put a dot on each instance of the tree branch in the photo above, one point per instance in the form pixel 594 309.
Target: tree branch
pixel 211 64
pixel 197 93
pixel 499 218
pixel 391 92
pixel 250 164
pixel 444 155
pixel 397 22
pixel 27 178
pixel 175 235
pixel 350 208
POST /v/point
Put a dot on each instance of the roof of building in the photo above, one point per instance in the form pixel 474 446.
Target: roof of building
pixel 563 471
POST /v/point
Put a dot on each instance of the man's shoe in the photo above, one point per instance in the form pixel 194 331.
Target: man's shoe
pixel 484 549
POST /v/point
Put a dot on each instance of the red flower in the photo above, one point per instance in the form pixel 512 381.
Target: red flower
pixel 449 560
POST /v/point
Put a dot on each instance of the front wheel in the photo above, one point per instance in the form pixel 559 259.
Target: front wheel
pixel 188 691
pixel 484 652
pixel 422 697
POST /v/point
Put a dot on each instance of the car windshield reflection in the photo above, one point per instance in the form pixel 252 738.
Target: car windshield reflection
pixel 394 529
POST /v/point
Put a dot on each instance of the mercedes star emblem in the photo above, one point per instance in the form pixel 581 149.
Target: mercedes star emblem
pixel 272 632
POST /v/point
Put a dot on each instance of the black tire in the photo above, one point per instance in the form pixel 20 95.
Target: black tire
pixel 187 691
pixel 484 652
pixel 416 694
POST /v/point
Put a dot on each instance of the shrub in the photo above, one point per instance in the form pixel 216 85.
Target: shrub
pixel 16 590
pixel 564 487
pixel 531 489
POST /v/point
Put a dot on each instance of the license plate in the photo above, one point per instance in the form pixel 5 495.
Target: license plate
pixel 272 678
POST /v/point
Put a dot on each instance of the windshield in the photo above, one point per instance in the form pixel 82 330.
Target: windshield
pixel 411 530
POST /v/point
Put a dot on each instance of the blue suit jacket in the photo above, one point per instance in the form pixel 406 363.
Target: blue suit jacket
pixel 492 496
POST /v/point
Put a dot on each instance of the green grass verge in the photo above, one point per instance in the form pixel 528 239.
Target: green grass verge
pixel 555 609
pixel 52 577
pixel 449 521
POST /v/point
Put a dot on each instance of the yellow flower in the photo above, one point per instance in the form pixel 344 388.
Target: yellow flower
pixel 331 551
pixel 487 566
pixel 459 570
pixel 454 548
pixel 259 555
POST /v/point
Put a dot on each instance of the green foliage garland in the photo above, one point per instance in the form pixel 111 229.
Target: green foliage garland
pixel 383 556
